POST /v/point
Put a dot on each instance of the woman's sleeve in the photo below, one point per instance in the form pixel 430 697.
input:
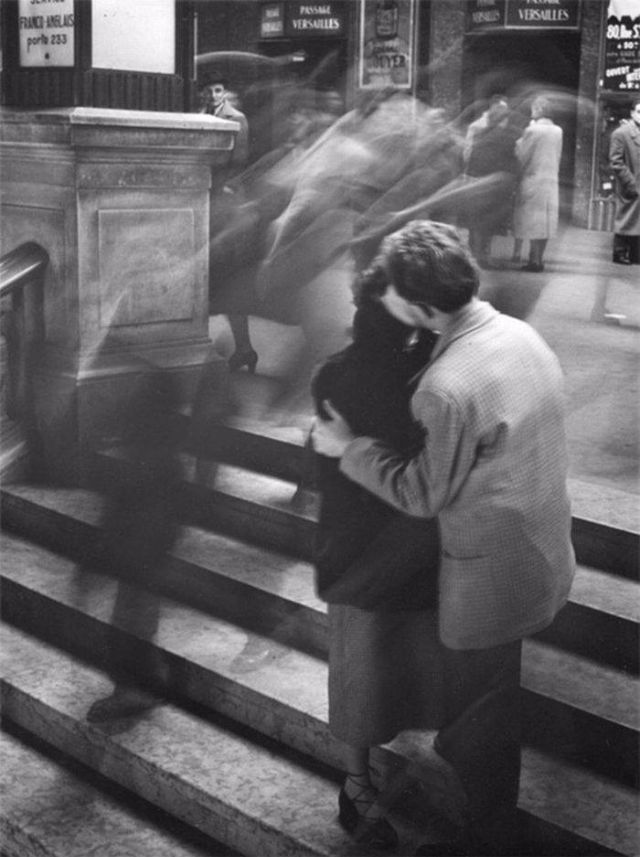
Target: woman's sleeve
pixel 423 484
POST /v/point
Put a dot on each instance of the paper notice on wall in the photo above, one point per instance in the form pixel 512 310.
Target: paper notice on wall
pixel 386 44
pixel 46 32
pixel 622 47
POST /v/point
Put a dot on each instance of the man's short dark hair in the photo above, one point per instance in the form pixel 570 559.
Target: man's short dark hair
pixel 634 103
pixel 429 263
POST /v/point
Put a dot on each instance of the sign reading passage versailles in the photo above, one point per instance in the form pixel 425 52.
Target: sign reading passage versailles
pixel 622 47
pixel 302 20
pixel 46 32
pixel 523 14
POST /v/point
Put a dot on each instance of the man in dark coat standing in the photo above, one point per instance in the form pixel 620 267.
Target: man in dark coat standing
pixel 215 101
pixel 624 159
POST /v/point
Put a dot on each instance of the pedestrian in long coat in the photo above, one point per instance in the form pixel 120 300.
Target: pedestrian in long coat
pixel 624 159
pixel 537 200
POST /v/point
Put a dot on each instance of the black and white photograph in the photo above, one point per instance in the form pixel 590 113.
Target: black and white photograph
pixel 320 428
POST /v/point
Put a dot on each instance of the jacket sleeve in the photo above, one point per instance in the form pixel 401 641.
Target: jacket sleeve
pixel 619 166
pixel 424 484
pixel 523 148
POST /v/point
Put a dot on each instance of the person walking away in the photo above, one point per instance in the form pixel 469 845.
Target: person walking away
pixel 493 468
pixel 537 199
pixel 492 153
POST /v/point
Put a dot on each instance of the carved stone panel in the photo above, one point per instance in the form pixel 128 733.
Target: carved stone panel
pixel 146 264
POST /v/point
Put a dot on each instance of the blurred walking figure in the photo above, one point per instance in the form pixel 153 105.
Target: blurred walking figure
pixel 537 199
pixel 624 160
pixel 490 150
pixel 140 526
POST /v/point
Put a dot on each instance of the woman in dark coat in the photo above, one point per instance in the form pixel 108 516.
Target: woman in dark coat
pixel 376 567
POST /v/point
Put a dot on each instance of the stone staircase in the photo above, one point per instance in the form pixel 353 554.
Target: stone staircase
pixel 234 755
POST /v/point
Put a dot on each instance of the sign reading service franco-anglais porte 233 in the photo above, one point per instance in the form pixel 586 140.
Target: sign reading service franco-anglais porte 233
pixel 46 32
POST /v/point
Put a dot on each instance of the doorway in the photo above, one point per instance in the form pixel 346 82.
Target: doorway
pixel 520 64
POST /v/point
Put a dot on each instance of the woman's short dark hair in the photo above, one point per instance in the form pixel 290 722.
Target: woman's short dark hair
pixel 429 263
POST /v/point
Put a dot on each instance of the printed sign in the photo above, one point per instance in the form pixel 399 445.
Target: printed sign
pixel 386 44
pixel 523 14
pixel 622 47
pixel 485 14
pixel 46 32
pixel 272 21
pixel 315 19
pixel 543 14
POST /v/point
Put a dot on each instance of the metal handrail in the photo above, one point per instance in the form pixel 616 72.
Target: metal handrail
pixel 19 266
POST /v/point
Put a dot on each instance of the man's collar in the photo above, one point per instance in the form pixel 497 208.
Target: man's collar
pixel 469 317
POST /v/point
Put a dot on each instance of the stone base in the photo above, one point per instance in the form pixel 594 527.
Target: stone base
pixel 14 458
pixel 78 412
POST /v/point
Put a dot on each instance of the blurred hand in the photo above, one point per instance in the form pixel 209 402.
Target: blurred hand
pixel 331 437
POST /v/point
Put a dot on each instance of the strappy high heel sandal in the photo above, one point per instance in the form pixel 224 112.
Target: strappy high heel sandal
pixel 374 833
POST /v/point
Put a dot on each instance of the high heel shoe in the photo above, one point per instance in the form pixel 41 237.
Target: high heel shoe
pixel 374 833
pixel 246 357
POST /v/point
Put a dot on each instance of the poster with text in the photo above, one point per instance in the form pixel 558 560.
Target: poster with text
pixel 387 44
pixel 46 32
pixel 622 47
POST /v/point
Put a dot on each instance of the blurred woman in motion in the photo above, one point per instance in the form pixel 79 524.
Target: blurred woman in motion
pixel 140 526
pixel 389 151
pixel 537 199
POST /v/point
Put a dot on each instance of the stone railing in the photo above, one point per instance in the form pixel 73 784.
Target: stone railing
pixel 21 326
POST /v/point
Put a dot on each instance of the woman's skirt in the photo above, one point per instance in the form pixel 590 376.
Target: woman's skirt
pixel 385 674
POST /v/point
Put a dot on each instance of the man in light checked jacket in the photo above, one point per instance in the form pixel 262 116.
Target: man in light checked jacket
pixel 493 468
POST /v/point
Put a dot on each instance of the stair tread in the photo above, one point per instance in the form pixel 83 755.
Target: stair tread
pixel 205 640
pixel 598 590
pixel 207 773
pixel 46 809
pixel 590 805
pixel 176 746
pixel 596 688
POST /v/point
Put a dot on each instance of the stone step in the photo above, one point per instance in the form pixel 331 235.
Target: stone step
pixel 271 450
pixel 601 620
pixel 573 706
pixel 243 503
pixel 258 684
pixel 280 452
pixel 53 808
pixel 231 784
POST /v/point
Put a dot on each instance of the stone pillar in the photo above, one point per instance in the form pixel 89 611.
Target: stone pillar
pixel 120 200
pixel 593 24
pixel 445 54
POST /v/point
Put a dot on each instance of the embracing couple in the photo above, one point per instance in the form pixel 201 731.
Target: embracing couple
pixel 444 535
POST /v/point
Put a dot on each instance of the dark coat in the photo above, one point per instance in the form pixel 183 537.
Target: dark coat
pixel 366 554
pixel 624 158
